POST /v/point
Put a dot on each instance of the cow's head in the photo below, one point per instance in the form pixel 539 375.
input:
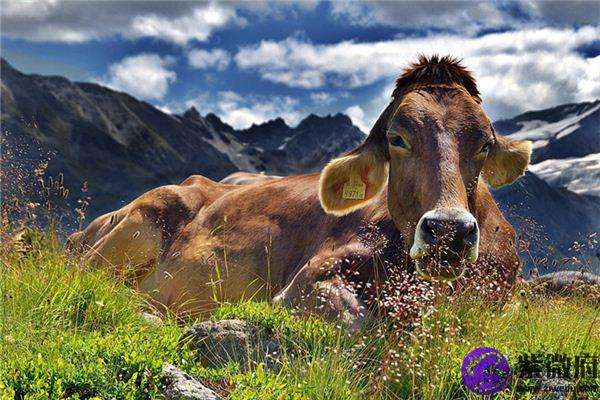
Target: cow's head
pixel 433 145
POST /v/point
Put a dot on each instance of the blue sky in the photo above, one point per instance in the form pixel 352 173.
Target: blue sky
pixel 253 61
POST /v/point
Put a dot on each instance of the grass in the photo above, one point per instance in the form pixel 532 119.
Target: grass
pixel 70 332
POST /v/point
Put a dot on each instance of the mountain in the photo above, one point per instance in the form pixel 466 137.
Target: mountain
pixel 120 146
pixel 552 224
pixel 566 142
pixel 557 203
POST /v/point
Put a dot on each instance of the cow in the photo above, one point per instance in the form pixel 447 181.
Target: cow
pixel 414 195
pixel 247 178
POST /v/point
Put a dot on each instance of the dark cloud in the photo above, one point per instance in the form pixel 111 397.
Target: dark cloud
pixel 468 15
pixel 79 21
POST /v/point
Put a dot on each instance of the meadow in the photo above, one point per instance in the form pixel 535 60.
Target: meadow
pixel 67 331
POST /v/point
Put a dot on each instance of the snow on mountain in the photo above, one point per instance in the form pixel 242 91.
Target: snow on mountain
pixel 577 174
pixel 540 132
pixel 566 144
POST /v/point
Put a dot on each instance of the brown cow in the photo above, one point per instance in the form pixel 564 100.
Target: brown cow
pixel 247 178
pixel 413 194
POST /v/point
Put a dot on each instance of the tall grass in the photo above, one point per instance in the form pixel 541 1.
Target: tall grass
pixel 71 332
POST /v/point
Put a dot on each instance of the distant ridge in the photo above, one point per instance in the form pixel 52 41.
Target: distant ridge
pixel 122 146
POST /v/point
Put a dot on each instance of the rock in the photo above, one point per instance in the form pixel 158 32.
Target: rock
pixel 553 388
pixel 151 319
pixel 220 342
pixel 568 283
pixel 177 385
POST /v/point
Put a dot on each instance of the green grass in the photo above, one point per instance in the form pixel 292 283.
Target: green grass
pixel 70 332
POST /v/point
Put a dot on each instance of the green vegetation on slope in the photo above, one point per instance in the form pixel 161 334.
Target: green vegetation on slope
pixel 69 332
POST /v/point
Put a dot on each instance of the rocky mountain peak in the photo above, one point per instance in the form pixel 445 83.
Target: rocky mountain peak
pixel 317 121
pixel 192 113
pixel 218 124
pixel 272 125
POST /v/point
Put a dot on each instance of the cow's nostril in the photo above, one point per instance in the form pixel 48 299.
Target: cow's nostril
pixel 428 227
pixel 471 233
pixel 446 238
pixel 453 232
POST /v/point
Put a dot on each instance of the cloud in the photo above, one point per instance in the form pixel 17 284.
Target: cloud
pixel 201 59
pixel 322 98
pixel 516 70
pixel 467 16
pixel 243 111
pixel 454 15
pixel 80 21
pixel 357 115
pixel 565 12
pixel 198 25
pixel 145 76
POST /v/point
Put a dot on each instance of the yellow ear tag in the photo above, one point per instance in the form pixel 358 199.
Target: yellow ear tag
pixel 354 189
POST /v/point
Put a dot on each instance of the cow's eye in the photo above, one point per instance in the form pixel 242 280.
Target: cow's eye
pixel 486 148
pixel 397 140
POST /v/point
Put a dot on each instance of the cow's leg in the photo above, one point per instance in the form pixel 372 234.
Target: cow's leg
pixel 317 289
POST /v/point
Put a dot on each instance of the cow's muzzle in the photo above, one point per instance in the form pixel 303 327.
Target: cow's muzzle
pixel 446 240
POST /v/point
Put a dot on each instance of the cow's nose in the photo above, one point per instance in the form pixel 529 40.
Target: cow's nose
pixel 452 233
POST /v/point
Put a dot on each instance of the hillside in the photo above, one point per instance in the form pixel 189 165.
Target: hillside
pixel 122 146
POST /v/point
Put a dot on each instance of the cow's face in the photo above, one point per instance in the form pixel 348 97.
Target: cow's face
pixel 431 145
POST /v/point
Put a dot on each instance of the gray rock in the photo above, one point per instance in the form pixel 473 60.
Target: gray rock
pixel 220 342
pixel 553 388
pixel 151 319
pixel 568 283
pixel 177 385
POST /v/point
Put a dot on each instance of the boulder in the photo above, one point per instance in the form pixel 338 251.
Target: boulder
pixel 177 385
pixel 553 388
pixel 580 283
pixel 220 342
pixel 151 319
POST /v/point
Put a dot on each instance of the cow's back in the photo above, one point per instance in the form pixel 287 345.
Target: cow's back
pixel 277 224
pixel 166 209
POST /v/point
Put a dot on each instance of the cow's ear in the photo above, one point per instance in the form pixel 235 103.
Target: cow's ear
pixel 352 181
pixel 507 161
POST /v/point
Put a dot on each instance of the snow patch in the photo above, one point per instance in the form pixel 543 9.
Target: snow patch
pixel 542 131
pixel 577 174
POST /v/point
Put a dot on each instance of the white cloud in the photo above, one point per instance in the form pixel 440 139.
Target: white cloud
pixel 467 16
pixel 516 70
pixel 243 111
pixel 145 76
pixel 198 25
pixel 81 21
pixel 357 115
pixel 202 59
pixel 322 98
pixel 564 12
pixel 455 15
pixel 37 9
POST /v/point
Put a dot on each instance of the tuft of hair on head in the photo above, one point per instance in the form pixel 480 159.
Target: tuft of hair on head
pixel 436 70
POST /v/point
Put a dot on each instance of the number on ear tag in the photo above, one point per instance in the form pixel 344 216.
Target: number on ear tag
pixel 354 189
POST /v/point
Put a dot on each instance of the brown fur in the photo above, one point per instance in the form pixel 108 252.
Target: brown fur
pixel 206 241
pixel 247 178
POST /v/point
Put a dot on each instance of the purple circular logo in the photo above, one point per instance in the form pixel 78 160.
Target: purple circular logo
pixel 485 371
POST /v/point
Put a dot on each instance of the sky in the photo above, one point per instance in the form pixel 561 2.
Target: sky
pixel 253 61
